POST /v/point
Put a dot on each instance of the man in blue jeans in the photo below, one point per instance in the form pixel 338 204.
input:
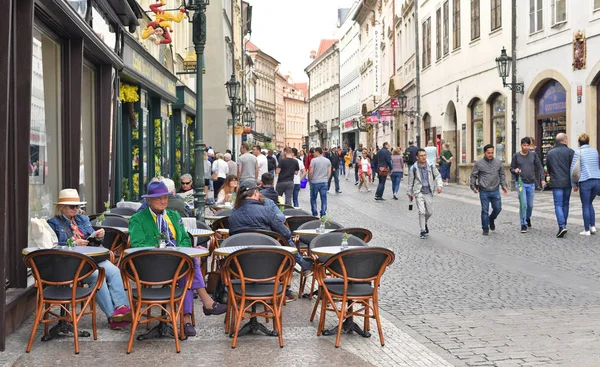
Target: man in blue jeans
pixel 558 162
pixel 318 176
pixel 525 164
pixel 486 178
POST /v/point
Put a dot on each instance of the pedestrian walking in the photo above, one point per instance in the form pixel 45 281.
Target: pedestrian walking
pixel 585 178
pixel 384 164
pixel 431 152
pixel 355 158
pixel 445 163
pixel 335 160
pixel 526 165
pixel 423 181
pixel 374 162
pixel 410 154
pixel 558 163
pixel 397 171
pixel 348 162
pixel 298 177
pixel 247 164
pixel 261 160
pixel 287 169
pixel 486 178
pixel 342 155
pixel 318 176
pixel 364 170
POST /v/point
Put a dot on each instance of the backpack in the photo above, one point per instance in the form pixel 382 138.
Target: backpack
pixel 272 163
pixel 409 156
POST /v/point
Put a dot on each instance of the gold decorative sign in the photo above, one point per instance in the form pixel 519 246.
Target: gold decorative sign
pixel 579 50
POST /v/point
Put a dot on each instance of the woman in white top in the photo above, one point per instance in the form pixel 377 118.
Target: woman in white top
pixel 220 168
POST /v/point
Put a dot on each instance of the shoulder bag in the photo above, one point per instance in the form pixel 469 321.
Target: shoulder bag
pixel 576 173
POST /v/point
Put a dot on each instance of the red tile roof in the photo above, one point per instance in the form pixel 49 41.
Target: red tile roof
pixel 302 87
pixel 325 45
pixel 251 46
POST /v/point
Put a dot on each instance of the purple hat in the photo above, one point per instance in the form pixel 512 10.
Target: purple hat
pixel 156 189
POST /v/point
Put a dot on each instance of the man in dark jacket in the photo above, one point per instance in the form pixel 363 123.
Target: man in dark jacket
pixel 410 155
pixel 334 158
pixel 558 163
pixel 267 190
pixel 384 161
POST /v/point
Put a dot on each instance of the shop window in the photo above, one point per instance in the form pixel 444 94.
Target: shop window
pixel 558 9
pixel 475 20
pixel 456 24
pixel 477 124
pixel 427 128
pixel 87 142
pixel 44 136
pixel 551 109
pixel 536 16
pixel 496 14
pixel 499 126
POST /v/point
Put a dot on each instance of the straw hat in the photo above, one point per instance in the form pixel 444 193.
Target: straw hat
pixel 69 197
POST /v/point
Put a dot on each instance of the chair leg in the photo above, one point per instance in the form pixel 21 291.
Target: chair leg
pixel 277 321
pixel 376 313
pixel 367 321
pixel 238 322
pixel 45 317
pixel 193 315
pixel 75 324
pixel 322 317
pixel 312 287
pixel 93 309
pixel 173 317
pixel 38 317
pixel 319 299
pixel 136 316
pixel 342 317
pixel 302 284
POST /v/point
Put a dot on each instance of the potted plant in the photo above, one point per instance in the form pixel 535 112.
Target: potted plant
pixel 345 238
pixel 71 243
pixel 100 218
pixel 324 220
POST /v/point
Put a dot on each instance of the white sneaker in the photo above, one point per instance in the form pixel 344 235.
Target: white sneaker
pixel 593 230
pixel 585 233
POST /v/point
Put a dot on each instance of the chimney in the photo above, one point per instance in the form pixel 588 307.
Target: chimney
pixel 313 54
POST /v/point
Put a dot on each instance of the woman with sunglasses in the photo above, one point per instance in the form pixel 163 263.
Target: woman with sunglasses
pixel 69 222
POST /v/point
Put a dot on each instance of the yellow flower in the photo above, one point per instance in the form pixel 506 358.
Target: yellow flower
pixel 128 93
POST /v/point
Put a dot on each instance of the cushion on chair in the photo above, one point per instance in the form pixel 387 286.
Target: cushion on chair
pixel 156 294
pixel 354 289
pixel 65 293
pixel 257 289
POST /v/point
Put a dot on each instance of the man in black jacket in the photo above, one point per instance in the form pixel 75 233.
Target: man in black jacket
pixel 334 158
pixel 384 161
pixel 558 163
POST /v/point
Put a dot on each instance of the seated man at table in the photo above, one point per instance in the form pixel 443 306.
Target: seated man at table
pixel 176 202
pixel 253 211
pixel 267 190
pixel 144 229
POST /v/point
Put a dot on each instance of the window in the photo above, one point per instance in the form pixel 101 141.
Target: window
pixel 427 43
pixel 456 25
pixel 499 127
pixel 559 11
pixel 596 4
pixel 87 144
pixel 438 34
pixel 536 16
pixel 477 123
pixel 446 27
pixel 475 20
pixel 496 16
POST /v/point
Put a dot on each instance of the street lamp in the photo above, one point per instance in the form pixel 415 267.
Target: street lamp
pixel 504 64
pixel 199 40
pixel 233 88
pixel 402 101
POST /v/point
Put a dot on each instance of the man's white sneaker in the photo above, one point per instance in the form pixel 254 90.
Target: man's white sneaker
pixel 585 233
pixel 593 230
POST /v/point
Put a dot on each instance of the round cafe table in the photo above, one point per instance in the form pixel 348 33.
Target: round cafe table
pixel 191 251
pixel 332 250
pixel 226 251
pixel 311 232
pixel 198 232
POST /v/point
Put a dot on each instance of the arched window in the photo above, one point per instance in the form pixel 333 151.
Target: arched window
pixel 429 134
pixel 499 126
pixel 477 125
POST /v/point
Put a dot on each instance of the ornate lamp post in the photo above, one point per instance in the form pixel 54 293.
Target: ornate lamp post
pixel 233 88
pixel 504 64
pixel 402 101
pixel 199 39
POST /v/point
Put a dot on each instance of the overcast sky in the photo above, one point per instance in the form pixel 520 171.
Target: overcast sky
pixel 288 29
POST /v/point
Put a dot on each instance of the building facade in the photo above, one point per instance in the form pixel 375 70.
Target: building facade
pixel 265 67
pixel 323 77
pixel 296 112
pixel 280 113
pixel 463 102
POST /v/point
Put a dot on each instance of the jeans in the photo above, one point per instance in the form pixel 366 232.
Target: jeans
pixel 381 186
pixel 396 178
pixel 286 188
pixel 529 190
pixel 342 168
pixel 589 189
pixel 355 172
pixel 296 192
pixel 561 198
pixel 111 294
pixel 445 170
pixel 335 176
pixel 320 189
pixel 487 197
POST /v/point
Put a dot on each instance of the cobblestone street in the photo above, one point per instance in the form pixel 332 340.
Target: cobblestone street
pixel 454 299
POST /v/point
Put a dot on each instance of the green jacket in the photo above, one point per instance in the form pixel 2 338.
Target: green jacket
pixel 143 231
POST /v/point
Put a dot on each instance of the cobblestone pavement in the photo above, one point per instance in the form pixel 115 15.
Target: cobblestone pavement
pixel 455 298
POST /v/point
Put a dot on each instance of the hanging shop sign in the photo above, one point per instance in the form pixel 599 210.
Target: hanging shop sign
pixel 386 111
pixel 186 100
pixel 373 119
pixel 161 26
pixel 376 55
pixel 553 99
pixel 348 124
pixel 394 103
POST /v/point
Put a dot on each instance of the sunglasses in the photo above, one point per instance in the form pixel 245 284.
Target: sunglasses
pixel 73 206
pixel 186 183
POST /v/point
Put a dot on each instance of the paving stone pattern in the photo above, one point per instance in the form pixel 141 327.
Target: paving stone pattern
pixel 455 298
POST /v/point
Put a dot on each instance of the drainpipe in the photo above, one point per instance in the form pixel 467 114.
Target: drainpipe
pixel 418 74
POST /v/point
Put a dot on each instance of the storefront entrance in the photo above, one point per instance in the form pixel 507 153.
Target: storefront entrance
pixel 550 117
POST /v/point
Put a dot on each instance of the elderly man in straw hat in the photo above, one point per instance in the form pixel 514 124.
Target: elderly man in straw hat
pixel 146 226
pixel 68 222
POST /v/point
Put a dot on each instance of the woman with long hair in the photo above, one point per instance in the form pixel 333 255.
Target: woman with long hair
pixel 586 162
pixel 228 190
pixel 397 172
pixel 364 170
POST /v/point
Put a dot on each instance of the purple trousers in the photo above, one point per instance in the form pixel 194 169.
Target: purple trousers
pixel 198 282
